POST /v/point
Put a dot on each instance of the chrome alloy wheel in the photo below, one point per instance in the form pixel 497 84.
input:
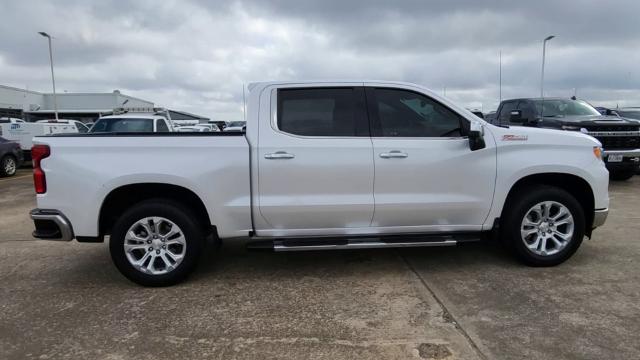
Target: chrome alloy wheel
pixel 547 228
pixel 155 245
pixel 9 166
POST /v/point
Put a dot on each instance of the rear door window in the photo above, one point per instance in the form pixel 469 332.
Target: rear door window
pixel 322 112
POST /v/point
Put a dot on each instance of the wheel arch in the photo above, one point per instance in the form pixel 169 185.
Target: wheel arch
pixel 125 196
pixel 578 187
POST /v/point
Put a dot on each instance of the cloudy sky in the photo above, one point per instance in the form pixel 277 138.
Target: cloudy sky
pixel 196 55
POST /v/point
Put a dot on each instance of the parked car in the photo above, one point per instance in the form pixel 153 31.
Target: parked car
pixel 128 123
pixel 235 126
pixel 211 127
pixel 11 157
pixel 82 128
pixel 308 173
pixel 192 129
pixel 219 123
pixel 630 113
pixel 620 137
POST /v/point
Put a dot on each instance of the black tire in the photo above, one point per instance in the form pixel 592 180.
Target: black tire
pixel 176 213
pixel 622 175
pixel 518 207
pixel 6 167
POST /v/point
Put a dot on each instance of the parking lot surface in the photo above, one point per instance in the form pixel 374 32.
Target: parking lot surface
pixel 66 300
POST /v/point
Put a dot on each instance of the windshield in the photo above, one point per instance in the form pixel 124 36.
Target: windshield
pixel 632 114
pixel 123 125
pixel 82 127
pixel 236 124
pixel 561 108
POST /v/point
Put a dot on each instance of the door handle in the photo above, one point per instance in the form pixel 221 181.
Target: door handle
pixel 394 154
pixel 279 155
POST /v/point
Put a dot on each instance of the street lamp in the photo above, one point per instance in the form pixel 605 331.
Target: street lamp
pixel 544 49
pixel 53 79
pixel 500 75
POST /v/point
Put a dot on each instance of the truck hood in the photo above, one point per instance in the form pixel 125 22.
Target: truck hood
pixel 541 136
pixel 589 120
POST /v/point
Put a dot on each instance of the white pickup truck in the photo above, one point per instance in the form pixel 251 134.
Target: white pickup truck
pixel 322 165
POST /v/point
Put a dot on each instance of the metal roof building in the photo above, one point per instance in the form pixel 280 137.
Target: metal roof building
pixel 87 107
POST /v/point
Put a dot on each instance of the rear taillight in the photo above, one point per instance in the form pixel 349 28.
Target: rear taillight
pixel 39 152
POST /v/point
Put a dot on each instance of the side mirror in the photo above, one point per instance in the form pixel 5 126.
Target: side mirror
pixel 516 116
pixel 476 137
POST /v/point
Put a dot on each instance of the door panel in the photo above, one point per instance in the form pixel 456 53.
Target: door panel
pixel 309 181
pixel 439 183
pixel 426 177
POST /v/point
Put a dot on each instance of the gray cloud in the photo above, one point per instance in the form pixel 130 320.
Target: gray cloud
pixel 195 55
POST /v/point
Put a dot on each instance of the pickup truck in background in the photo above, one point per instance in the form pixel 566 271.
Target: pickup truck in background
pixel 134 120
pixel 620 137
pixel 322 165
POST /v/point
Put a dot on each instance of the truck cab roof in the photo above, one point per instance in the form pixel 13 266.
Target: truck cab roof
pixel 134 115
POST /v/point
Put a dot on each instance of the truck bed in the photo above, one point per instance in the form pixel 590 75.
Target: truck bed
pixel 83 169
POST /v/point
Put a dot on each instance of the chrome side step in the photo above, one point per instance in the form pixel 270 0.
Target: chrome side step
pixel 357 244
pixel 362 242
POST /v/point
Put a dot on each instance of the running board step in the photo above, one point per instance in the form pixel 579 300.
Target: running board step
pixel 310 244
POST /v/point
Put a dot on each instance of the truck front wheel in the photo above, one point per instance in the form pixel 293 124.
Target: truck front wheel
pixel 543 225
pixel 156 243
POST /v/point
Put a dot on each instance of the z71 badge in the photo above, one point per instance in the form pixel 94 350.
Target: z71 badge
pixel 514 137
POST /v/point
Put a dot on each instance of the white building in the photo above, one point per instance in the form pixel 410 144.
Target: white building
pixel 32 105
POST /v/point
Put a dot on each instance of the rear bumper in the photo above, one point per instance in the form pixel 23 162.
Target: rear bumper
pixel 51 225
pixel 599 217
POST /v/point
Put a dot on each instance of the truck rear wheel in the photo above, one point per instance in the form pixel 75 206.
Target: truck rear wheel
pixel 156 243
pixel 543 226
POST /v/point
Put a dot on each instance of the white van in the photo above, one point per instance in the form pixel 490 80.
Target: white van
pixel 24 132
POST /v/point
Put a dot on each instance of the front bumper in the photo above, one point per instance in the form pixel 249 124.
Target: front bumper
pixel 599 217
pixel 51 225
pixel 630 159
pixel 624 153
pixel 632 155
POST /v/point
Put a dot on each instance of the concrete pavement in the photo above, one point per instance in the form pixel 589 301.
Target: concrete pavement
pixel 586 308
pixel 66 300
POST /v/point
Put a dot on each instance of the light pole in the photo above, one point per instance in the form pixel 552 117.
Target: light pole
pixel 53 79
pixel 544 50
pixel 500 75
